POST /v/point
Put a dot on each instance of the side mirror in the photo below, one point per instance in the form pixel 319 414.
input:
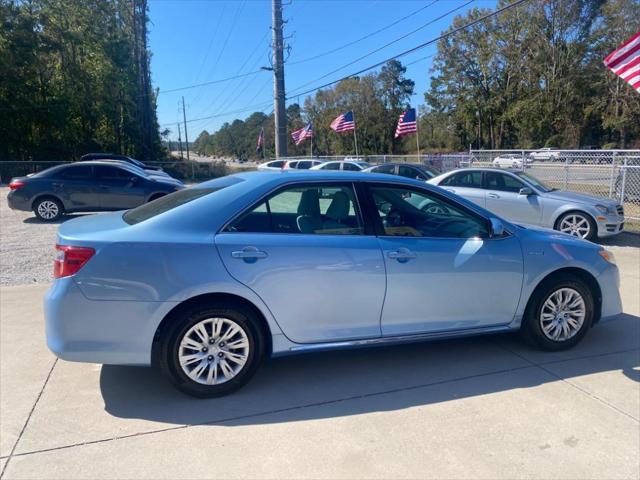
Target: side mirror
pixel 497 227
pixel 525 191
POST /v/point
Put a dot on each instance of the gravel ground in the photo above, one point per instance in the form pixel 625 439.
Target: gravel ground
pixel 26 245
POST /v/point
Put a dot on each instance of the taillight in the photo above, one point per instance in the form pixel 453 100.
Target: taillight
pixel 16 185
pixel 70 259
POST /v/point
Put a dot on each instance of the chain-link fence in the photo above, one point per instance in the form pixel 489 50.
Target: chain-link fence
pixel 603 173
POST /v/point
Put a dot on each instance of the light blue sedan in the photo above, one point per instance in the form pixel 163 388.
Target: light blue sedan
pixel 207 282
pixel 521 198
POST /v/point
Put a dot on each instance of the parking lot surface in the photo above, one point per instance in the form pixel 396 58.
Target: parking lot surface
pixel 486 407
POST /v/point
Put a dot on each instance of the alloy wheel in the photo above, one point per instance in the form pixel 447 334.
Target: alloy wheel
pixel 576 225
pixel 48 209
pixel 562 314
pixel 213 351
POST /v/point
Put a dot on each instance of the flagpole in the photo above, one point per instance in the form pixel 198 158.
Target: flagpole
pixel 355 137
pixel 264 145
pixel 417 136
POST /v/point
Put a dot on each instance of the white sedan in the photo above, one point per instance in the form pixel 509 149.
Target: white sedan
pixel 272 165
pixel 342 165
pixel 509 160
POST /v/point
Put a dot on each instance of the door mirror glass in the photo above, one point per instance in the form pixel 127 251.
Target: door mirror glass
pixel 525 191
pixel 497 227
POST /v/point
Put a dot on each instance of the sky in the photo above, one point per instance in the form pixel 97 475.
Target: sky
pixel 198 41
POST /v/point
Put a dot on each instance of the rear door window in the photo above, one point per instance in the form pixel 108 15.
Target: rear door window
pixel 76 172
pixel 471 179
pixel 502 182
pixel 328 209
pixel 112 174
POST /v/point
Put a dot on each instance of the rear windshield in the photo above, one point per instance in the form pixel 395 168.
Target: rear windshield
pixel 173 200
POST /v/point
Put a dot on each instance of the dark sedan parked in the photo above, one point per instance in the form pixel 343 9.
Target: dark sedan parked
pixel 114 156
pixel 86 187
pixel 418 172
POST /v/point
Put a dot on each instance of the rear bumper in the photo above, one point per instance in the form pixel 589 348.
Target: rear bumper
pixel 18 202
pixel 108 332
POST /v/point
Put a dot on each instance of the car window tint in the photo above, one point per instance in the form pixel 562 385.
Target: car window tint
pixel 304 165
pixel 464 179
pixel 107 173
pixel 331 166
pixel 502 182
pixel 312 209
pixel 77 172
pixel 409 172
pixel 409 213
pixel 176 199
pixel 351 167
pixel 385 169
pixel 276 164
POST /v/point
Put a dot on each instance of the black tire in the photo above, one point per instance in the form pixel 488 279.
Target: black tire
pixel 48 209
pixel 532 329
pixel 182 323
pixel 593 228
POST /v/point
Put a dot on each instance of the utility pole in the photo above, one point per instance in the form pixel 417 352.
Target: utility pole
pixel 180 140
pixel 278 80
pixel 186 135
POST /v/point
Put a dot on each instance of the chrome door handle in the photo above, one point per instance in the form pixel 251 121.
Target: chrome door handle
pixel 402 254
pixel 249 254
pixel 493 195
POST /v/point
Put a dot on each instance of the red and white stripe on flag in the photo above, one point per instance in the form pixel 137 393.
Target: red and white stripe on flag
pixel 625 61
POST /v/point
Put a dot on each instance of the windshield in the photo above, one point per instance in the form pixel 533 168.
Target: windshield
pixel 535 182
pixel 430 172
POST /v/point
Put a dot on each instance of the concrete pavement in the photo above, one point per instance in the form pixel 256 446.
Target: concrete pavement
pixel 486 407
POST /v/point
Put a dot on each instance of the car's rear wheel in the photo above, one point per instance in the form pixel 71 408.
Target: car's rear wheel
pixel 559 314
pixel 578 224
pixel 211 351
pixel 48 209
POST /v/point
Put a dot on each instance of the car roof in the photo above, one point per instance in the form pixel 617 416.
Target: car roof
pixel 281 177
pixel 483 169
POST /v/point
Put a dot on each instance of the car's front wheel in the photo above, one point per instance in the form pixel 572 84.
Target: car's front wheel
pixel 211 351
pixel 559 313
pixel 48 209
pixel 578 224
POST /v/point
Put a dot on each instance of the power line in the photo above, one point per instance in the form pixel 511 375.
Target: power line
pixel 385 45
pixel 414 49
pixel 346 45
pixel 252 75
pixel 245 109
pixel 378 64
pixel 226 41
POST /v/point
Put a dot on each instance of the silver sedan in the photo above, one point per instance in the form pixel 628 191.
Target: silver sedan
pixel 521 198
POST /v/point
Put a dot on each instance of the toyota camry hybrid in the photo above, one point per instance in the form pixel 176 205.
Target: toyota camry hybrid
pixel 204 283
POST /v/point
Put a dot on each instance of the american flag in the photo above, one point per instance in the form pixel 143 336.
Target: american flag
pixel 625 61
pixel 407 123
pixel 301 135
pixel 260 143
pixel 344 123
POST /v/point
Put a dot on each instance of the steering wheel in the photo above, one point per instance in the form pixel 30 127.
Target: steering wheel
pixel 435 208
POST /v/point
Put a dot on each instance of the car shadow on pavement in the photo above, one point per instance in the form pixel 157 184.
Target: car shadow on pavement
pixel 63 219
pixel 625 239
pixel 341 383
